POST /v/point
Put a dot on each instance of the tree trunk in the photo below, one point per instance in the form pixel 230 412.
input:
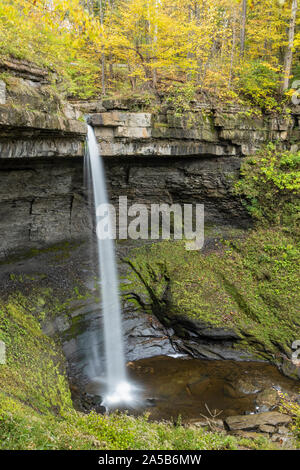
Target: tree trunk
pixel 243 26
pixel 102 54
pixel 232 47
pixel 154 71
pixel 288 57
pixel 110 59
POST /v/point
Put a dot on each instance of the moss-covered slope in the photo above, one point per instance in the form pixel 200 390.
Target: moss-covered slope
pixel 250 286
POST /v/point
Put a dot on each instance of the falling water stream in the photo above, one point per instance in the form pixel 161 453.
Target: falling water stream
pixel 118 389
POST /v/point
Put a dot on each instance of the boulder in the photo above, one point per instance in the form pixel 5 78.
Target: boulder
pixel 245 385
pixel 283 430
pixel 232 392
pixel 200 386
pixel 267 428
pixel 249 434
pixel 253 421
pixel 268 398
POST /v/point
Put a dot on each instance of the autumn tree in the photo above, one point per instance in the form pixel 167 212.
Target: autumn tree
pixel 223 49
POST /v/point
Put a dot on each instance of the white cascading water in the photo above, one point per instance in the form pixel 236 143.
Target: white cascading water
pixel 118 388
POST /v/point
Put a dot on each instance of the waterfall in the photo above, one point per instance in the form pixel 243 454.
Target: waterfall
pixel 118 388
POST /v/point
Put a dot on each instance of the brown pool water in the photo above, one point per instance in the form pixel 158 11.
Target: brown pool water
pixel 192 388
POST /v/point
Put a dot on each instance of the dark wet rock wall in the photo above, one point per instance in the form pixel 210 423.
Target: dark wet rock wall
pixel 43 201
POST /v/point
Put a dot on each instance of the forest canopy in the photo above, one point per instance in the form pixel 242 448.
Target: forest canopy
pixel 219 49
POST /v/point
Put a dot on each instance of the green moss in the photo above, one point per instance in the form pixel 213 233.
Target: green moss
pixel 251 286
pixel 61 250
pixel 32 373
pixel 26 97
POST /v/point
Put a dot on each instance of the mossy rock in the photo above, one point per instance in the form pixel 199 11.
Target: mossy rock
pixel 249 286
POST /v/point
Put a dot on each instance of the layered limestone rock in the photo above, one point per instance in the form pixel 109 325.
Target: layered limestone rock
pixel 41 202
pixel 34 121
pixel 202 132
pixel 205 180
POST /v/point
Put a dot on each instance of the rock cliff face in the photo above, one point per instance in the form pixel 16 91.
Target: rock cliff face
pixel 42 200
pixel 40 203
pixel 202 132
pixel 37 195
pixel 34 121
pixel 150 158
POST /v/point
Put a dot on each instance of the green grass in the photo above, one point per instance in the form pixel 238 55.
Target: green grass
pixel 22 428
